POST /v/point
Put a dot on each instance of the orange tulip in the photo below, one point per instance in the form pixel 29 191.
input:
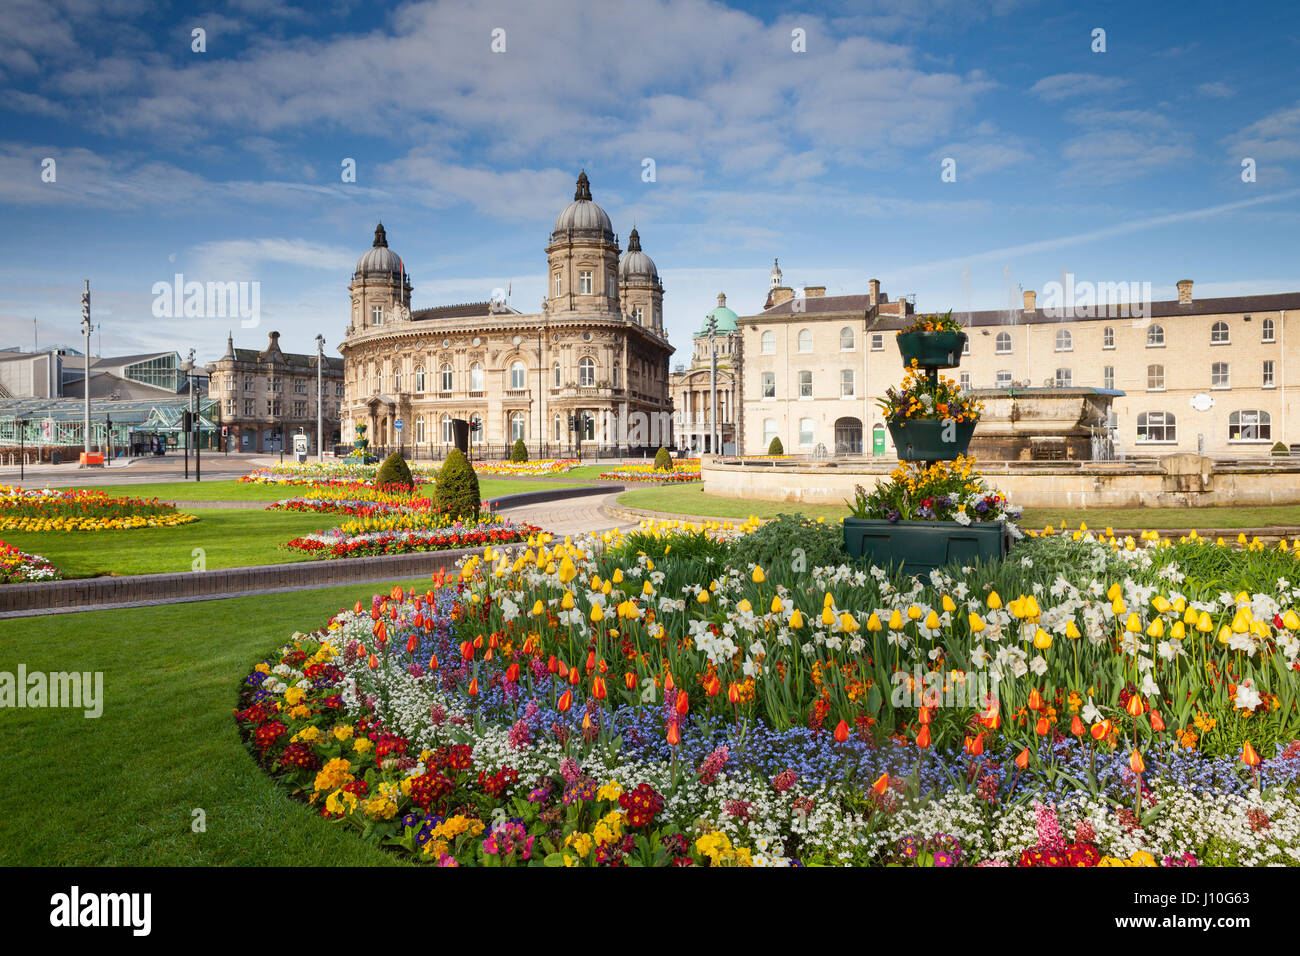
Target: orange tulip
pixel 923 738
pixel 733 693
pixel 373 662
pixel 473 687
pixel 574 676
pixel 683 703
pixel 1035 700
pixel 1135 763
pixel 713 686
pixel 591 661
pixel 1100 730
pixel 668 683
pixel 552 665
pixel 1076 726
pixel 598 687
pixel 1248 755
pixel 512 672
pixel 990 718
pixel 842 731
pixel 1022 759
pixel 1135 706
pixel 466 650
pixel 881 784
pixel 412 643
pixel 975 745
pixel 433 662
pixel 357 607
pixel 1157 722
pixel 923 716
pixel 1042 727
pixel 674 735
pixel 565 701
pixel 629 680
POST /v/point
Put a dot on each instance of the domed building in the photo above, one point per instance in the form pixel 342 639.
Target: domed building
pixel 693 386
pixel 591 368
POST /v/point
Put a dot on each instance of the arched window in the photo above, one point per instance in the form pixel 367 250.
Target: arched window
pixel 558 428
pixel 1219 375
pixel 1250 424
pixel 1155 378
pixel 476 377
pixel 516 426
pixel 769 343
pixel 587 371
pixel 846 339
pixel 1157 427
pixel 448 436
pixel 1064 341
pixel 805 340
pixel 556 370
pixel 1156 337
pixel 1004 343
pixel 1219 333
pixel 1108 337
pixel 446 376
pixel 419 378
pixel 1266 330
pixel 397 377
pixel 517 373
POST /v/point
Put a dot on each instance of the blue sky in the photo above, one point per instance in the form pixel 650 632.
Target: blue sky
pixel 1123 165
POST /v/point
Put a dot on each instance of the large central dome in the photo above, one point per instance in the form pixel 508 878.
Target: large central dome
pixel 583 215
pixel 379 260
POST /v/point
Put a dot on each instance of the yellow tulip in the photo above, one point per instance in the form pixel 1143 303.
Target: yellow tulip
pixel 948 605
pixel 744 606
pixel 873 622
pixel 994 601
pixel 1042 640
pixel 597 615
pixel 976 622
pixel 776 605
pixel 1071 630
pixel 895 620
pixel 796 619
pixel 566 602
pixel 828 616
pixel 758 575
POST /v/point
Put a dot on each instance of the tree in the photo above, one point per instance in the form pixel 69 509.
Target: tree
pixel 456 489
pixel 663 460
pixel 394 471
pixel 776 448
pixel 518 453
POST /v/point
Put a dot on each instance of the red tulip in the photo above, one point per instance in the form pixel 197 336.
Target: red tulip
pixel 466 650
pixel 842 731
pixel 1022 759
pixel 373 662
pixel 512 672
pixel 1035 700
pixel 598 687
pixel 629 679
pixel 975 745
pixel 473 687
pixel 574 676
pixel 923 716
pixel 683 703
pixel 733 693
pixel 1042 726
pixel 1076 726
pixel 412 643
pixel 1157 722
pixel 565 701
pixel 923 738
pixel 433 662
pixel 552 665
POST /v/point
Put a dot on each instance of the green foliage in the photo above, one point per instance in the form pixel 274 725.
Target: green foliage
pixel 1279 448
pixel 790 545
pixel 683 546
pixel 394 471
pixel 776 448
pixel 457 487
pixel 518 453
pixel 663 460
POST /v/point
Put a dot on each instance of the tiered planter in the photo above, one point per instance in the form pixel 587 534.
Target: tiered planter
pixel 921 546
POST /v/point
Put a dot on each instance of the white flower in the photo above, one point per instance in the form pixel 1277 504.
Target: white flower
pixel 1247 697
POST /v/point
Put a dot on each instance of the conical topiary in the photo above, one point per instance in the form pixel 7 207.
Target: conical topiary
pixel 663 460
pixel 776 448
pixel 518 453
pixel 394 471
pixel 457 487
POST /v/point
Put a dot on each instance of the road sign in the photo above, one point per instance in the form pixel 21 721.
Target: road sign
pixel 398 424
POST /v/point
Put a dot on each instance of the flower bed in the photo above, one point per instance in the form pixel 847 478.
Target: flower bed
pixel 79 510
pixel 526 469
pixel 684 470
pixel 338 543
pixel 652 700
pixel 18 566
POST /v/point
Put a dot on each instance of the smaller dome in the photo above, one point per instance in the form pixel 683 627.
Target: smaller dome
pixel 635 264
pixel 379 259
pixel 583 214
pixel 726 320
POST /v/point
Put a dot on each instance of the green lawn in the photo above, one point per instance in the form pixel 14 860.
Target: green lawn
pixel 230 538
pixel 120 789
pixel 231 490
pixel 691 499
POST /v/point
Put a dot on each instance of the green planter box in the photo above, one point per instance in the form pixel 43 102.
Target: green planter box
pixel 922 546
pixel 937 349
pixel 923 439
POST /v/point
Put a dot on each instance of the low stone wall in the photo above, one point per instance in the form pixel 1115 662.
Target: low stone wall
pixel 1177 481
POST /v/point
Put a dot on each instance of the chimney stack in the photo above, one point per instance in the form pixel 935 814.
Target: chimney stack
pixel 1031 298
pixel 874 285
pixel 814 291
pixel 1184 290
pixel 781 293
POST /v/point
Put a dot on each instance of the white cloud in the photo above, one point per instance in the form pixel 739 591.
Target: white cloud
pixel 1061 86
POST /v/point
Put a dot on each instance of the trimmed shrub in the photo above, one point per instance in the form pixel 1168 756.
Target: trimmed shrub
pixel 776 448
pixel 518 453
pixel 1279 448
pixel 663 460
pixel 394 471
pixel 456 489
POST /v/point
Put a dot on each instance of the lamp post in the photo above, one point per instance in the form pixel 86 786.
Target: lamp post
pixel 85 330
pixel 186 424
pixel 540 386
pixel 320 399
pixel 713 383
pixel 22 449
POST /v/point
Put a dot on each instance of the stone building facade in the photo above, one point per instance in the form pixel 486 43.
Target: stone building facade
pixel 589 369
pixel 693 387
pixel 269 396
pixel 1198 375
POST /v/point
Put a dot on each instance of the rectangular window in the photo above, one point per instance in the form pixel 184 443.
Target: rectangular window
pixel 1108 377
pixel 299 409
pixel 769 431
pixel 1064 378
pixel 877 341
pixel 584 283
pixel 846 383
pixel 300 386
pixel 1004 378
pixel 805 384
pixel 377 315
pixel 805 431
pixel 1219 377
pixel 248 408
pixel 769 385
pixel 248 384
pixel 275 384
pixel 964 381
pixel 559 284
pixel 338 390
pixel 1268 374
pixel 1108 337
pixel 1155 378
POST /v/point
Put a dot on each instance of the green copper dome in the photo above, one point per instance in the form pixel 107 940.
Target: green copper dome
pixel 727 320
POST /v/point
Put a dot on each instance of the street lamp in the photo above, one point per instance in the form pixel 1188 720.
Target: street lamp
pixel 85 330
pixel 320 402
pixel 713 383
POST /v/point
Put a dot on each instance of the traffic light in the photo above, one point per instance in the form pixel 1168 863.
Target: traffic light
pixel 187 422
